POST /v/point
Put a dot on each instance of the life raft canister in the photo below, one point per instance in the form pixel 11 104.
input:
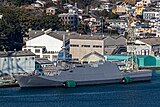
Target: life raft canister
pixel 70 83
pixel 127 80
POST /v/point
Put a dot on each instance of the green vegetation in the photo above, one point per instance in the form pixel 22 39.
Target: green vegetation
pixel 107 14
pixel 10 28
pixel 17 2
pixel 16 21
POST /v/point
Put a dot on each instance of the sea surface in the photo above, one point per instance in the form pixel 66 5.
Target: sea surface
pixel 142 94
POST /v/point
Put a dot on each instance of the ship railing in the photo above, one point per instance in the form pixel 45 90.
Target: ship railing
pixel 52 73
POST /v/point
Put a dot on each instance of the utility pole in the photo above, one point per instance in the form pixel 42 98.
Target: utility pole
pixel 102 25
pixel 1 16
pixel 64 48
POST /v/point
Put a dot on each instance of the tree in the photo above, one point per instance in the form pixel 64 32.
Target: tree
pixel 11 29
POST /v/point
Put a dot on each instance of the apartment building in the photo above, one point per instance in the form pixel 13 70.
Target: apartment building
pixel 148 15
pixel 71 18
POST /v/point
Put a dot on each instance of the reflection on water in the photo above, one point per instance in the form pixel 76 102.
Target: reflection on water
pixel 117 95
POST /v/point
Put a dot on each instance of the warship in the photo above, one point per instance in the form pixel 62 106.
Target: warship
pixel 90 74
pixel 73 74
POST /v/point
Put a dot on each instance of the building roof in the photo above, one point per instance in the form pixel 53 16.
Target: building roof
pixel 109 51
pixel 151 41
pixel 35 33
pixel 152 1
pixel 88 37
pixel 34 46
pixel 59 35
pixel 112 41
pixel 43 61
pixel 16 53
pixel 52 7
pixel 95 53
pixel 72 35
pixel 113 20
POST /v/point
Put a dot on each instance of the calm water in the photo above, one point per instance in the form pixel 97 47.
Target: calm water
pixel 146 94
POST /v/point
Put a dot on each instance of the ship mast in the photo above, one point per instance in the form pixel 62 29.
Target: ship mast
pixel 131 38
pixel 64 48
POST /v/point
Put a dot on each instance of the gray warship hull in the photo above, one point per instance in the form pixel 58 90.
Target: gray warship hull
pixel 87 75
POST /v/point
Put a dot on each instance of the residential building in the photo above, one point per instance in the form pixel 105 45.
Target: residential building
pixel 17 62
pixel 39 3
pixel 139 4
pixel 55 1
pixel 117 23
pixel 104 1
pixel 94 24
pixel 145 35
pixel 158 4
pixel 139 11
pixel 71 19
pixel 154 1
pixel 146 2
pixel 106 6
pixel 149 15
pixel 51 10
pixel 121 10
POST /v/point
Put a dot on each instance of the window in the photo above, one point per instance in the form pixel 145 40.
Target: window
pixel 97 46
pixel 37 56
pixel 29 49
pixel 85 46
pixel 74 45
pixel 32 58
pixel 37 50
pixel 46 56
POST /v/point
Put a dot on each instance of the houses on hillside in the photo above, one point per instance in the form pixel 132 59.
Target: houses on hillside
pixel 51 10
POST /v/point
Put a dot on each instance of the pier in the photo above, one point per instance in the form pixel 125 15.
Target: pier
pixel 3 84
pixel 150 67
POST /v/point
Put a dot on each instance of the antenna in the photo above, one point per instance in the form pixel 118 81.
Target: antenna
pixel 1 16
pixel 48 31
pixel 131 38
pixel 64 48
pixel 76 5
